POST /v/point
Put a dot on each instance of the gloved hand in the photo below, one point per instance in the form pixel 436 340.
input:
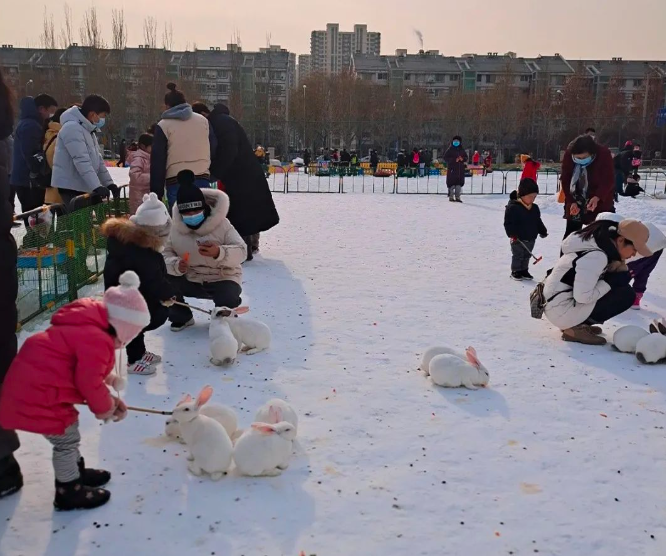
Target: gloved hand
pixel 102 191
pixel 543 236
pixel 115 190
pixel 617 279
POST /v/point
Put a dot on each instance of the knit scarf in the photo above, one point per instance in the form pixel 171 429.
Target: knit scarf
pixel 579 181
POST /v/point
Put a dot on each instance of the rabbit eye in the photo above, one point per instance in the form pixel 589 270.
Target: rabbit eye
pixel 187 409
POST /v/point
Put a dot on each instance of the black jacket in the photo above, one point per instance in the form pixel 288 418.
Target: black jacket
pixel 251 208
pixel 345 157
pixel 622 161
pixel 130 247
pixel 521 222
pixel 374 159
pixel 455 171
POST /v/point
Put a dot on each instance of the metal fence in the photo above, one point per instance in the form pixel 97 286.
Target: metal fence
pixel 60 250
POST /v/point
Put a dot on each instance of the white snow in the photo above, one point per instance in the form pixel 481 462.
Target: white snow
pixel 563 454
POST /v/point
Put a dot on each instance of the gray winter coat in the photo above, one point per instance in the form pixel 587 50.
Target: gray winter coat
pixel 77 163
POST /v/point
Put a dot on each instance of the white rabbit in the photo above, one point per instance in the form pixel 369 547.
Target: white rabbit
pixel 434 352
pixel 223 344
pixel 453 372
pixel 221 413
pixel 651 349
pixel 265 449
pixel 210 447
pixel 275 411
pixel 252 335
pixel 626 338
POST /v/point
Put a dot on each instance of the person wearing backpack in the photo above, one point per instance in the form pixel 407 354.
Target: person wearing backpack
pixel 53 126
pixel 589 284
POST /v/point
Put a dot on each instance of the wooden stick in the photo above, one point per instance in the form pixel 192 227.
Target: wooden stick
pixel 193 307
pixel 154 411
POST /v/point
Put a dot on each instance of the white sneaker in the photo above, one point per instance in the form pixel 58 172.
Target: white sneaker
pixel 141 368
pixel 150 358
pixel 179 327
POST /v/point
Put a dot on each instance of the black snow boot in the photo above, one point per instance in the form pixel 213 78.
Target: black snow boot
pixel 518 276
pixel 93 477
pixel 74 495
pixel 11 479
pixel 526 274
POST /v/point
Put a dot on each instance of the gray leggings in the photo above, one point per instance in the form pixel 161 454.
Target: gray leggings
pixel 66 453
pixel 455 191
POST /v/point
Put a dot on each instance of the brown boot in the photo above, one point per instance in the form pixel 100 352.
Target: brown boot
pixel 597 330
pixel 582 335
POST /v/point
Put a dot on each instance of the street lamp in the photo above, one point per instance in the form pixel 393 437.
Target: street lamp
pixel 305 88
pixel 30 82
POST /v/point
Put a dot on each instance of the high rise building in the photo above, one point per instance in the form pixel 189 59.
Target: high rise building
pixel 304 66
pixel 331 51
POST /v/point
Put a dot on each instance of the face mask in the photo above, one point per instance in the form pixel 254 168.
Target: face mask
pixel 193 219
pixel 583 161
pixel 456 143
pixel 100 123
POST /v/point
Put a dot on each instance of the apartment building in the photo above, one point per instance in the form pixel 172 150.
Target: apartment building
pixel 331 50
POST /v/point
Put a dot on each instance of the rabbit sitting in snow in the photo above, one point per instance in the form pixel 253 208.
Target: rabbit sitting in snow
pixel 626 338
pixel 223 344
pixel 275 411
pixel 221 413
pixel 452 371
pixel 433 352
pixel 265 449
pixel 652 348
pixel 252 335
pixel 210 447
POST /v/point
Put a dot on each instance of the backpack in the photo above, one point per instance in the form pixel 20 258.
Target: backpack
pixel 537 301
pixel 38 164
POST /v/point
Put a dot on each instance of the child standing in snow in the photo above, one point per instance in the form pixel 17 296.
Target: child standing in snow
pixel 530 167
pixel 136 244
pixel 522 223
pixel 139 163
pixel 70 363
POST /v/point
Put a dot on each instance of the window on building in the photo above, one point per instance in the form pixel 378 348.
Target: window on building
pixel 637 83
pixel 479 78
pixel 382 76
pixel 491 78
pixel 524 78
pixel 408 77
pixel 454 77
pixel 222 88
pixel 558 80
pixel 261 88
pixel 222 74
pixel 439 77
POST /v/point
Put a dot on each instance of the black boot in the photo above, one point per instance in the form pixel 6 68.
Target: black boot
pixel 11 479
pixel 76 496
pixel 93 477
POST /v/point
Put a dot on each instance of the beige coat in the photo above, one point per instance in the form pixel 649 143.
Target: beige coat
pixel 216 229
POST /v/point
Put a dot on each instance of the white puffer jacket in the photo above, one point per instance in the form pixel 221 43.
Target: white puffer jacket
pixel 216 229
pixel 567 306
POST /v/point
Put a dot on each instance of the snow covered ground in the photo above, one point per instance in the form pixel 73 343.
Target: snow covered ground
pixel 564 453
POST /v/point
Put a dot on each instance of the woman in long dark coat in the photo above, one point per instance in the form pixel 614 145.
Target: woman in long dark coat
pixel 251 208
pixel 455 158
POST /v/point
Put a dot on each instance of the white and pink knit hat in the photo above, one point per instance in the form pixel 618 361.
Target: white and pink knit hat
pixel 128 311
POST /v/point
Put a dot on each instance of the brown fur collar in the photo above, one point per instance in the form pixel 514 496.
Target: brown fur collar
pixel 129 233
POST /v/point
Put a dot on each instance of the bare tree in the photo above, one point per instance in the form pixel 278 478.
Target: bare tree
pixel 150 32
pixel 167 36
pixel 118 29
pixel 67 29
pixel 47 37
pixel 91 29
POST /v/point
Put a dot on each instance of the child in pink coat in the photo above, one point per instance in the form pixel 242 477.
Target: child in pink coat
pixel 139 164
pixel 70 363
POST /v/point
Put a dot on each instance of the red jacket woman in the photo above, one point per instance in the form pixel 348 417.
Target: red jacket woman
pixel 64 365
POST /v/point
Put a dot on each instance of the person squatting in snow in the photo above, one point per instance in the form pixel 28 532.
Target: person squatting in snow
pixel 522 223
pixel 641 267
pixel 137 244
pixel 589 284
pixel 54 370
pixel 204 252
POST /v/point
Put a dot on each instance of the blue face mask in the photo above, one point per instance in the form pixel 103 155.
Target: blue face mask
pixel 583 161
pixel 456 143
pixel 100 123
pixel 193 219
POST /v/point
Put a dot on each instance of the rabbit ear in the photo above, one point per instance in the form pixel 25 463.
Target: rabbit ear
pixel 186 398
pixel 263 428
pixel 661 327
pixel 275 414
pixel 204 395
pixel 242 310
pixel 470 352
pixel 653 328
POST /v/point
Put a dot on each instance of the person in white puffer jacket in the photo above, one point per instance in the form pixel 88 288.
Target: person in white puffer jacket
pixel 589 284
pixel 204 252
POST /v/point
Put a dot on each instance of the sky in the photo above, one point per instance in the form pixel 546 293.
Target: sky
pixel 576 29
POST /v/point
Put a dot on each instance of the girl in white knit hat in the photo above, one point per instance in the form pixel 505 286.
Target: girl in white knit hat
pixel 136 244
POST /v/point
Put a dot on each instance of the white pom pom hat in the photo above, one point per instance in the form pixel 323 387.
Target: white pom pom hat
pixel 128 311
pixel 152 214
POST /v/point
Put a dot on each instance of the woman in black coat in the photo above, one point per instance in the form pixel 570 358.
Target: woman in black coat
pixel 455 158
pixel 251 208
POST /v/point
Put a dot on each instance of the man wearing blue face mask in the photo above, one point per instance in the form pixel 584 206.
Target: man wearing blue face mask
pixel 204 252
pixel 588 181
pixel 78 166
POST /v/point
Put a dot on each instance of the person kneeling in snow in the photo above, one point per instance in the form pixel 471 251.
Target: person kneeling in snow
pixel 589 284
pixel 204 252
pixel 136 244
pixel 522 223
pixel 71 362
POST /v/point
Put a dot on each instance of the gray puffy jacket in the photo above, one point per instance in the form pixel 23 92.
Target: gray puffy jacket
pixel 77 163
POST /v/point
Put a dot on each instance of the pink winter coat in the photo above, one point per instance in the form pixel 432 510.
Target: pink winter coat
pixel 64 365
pixel 139 184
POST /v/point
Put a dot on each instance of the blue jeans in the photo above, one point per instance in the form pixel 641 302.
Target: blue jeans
pixel 172 190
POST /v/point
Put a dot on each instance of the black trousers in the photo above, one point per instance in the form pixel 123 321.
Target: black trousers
pixel 30 197
pixel 614 303
pixel 225 293
pixel 572 226
pixel 137 347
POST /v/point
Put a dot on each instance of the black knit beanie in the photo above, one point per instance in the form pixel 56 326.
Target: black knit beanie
pixel 190 198
pixel 527 186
